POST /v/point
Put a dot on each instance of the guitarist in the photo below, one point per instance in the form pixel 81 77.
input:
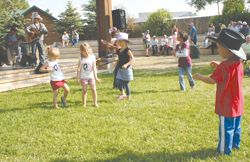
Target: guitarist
pixel 36 33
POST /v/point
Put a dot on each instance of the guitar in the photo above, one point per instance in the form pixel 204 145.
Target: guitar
pixel 34 35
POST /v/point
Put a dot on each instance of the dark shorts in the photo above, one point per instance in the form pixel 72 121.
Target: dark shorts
pixel 57 84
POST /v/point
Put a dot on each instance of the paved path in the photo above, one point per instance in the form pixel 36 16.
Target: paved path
pixel 169 62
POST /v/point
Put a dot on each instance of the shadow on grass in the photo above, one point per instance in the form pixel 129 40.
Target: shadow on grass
pixel 183 156
pixel 156 91
pixel 43 105
pixel 202 154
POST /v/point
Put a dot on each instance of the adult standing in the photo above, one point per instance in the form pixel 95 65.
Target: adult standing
pixel 174 36
pixel 36 32
pixel 193 33
pixel 147 39
pixel 211 32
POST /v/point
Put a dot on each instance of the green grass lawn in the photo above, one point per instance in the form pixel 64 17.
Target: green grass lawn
pixel 160 123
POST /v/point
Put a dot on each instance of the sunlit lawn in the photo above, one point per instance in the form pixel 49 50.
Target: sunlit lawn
pixel 160 123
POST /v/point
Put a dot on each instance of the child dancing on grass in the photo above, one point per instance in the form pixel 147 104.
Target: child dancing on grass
pixel 184 60
pixel 124 66
pixel 56 76
pixel 87 73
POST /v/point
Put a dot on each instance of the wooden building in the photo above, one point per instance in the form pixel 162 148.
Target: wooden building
pixel 48 20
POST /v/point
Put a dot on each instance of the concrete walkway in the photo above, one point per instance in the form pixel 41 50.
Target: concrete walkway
pixel 169 62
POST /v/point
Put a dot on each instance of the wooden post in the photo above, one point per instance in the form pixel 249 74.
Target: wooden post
pixel 104 20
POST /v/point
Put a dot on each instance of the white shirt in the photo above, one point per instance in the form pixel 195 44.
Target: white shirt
pixel 182 52
pixel 164 41
pixel 56 73
pixel 86 71
pixel 153 42
pixel 65 37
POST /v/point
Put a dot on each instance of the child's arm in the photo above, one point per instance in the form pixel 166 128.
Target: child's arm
pixel 203 78
pixel 45 68
pixel 214 64
pixel 78 70
pixel 131 60
pixel 95 72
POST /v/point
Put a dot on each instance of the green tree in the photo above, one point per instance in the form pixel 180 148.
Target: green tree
pixel 159 22
pixel 11 16
pixel 19 4
pixel 232 7
pixel 69 20
pixel 90 21
pixel 133 28
pixel 200 4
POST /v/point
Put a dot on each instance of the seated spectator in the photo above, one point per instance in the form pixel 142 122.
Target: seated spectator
pixel 238 26
pixel 26 53
pixel 11 44
pixel 65 39
pixel 244 29
pixel 246 47
pixel 163 45
pixel 154 45
pixel 3 56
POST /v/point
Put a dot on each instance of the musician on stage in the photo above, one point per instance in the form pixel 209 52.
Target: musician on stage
pixel 36 32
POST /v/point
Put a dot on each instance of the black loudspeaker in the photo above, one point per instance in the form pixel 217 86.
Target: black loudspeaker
pixel 119 19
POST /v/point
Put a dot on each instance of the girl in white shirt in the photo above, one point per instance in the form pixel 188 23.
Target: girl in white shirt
pixel 87 73
pixel 56 76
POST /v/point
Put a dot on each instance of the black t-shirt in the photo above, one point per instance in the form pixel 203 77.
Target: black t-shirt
pixel 123 57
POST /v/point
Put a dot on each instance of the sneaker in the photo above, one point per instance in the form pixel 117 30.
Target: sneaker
pixel 64 103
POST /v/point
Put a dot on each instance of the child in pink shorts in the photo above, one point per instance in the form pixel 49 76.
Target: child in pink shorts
pixel 87 73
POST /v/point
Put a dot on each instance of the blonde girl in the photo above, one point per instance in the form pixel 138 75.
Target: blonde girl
pixel 87 73
pixel 56 76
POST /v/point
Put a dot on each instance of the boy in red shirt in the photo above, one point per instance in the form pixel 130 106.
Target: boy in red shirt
pixel 228 76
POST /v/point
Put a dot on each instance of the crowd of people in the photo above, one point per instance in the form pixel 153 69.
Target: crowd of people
pixel 165 45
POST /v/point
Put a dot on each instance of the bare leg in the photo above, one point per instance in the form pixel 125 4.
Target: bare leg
pixel 55 94
pixel 66 91
pixel 94 94
pixel 147 51
pixel 84 95
pixel 65 94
